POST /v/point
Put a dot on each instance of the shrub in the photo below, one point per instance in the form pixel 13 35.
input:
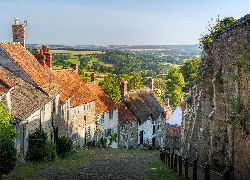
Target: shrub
pixel 7 154
pixel 63 145
pixel 7 145
pixel 40 149
pixel 50 151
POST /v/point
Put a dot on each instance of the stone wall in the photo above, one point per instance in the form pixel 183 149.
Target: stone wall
pixel 82 125
pixel 107 125
pixel 216 123
pixel 125 140
pixel 160 129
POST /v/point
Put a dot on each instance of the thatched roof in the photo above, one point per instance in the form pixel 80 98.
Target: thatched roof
pixel 143 104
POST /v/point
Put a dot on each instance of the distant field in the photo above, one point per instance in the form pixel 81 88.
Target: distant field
pixel 76 52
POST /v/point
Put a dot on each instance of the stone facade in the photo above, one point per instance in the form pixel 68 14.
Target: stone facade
pixel 215 122
pixel 107 125
pixel 128 134
pixel 82 125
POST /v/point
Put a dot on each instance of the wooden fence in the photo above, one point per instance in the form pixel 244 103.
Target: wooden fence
pixel 176 162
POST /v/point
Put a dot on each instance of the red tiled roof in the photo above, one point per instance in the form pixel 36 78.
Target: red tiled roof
pixel 42 76
pixel 5 83
pixel 173 130
pixel 80 93
pixel 124 113
pixel 103 102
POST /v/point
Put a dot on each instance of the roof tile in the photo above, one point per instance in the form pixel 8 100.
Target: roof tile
pixel 78 89
pixel 124 113
pixel 103 102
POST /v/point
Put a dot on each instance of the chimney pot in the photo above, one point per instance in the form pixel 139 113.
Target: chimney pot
pixel 41 52
pixel 36 51
pixel 16 20
pixel 75 67
pixel 150 83
pixel 92 77
pixel 123 88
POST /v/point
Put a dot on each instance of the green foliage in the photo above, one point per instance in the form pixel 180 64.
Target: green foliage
pixel 63 145
pixel 111 86
pixel 189 72
pixel 40 149
pixel 103 142
pixel 175 84
pixel 112 138
pixel 207 40
pixel 8 153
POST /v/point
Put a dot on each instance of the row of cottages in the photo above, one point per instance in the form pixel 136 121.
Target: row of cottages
pixel 58 102
pixel 142 120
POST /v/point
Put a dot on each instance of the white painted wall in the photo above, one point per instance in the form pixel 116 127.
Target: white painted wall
pixel 176 117
pixel 107 123
pixel 147 127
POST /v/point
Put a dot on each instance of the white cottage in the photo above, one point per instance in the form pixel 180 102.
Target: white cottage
pixel 150 114
pixel 106 114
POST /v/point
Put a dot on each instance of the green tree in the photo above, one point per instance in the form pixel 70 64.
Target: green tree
pixel 7 145
pixel 111 86
pixel 189 72
pixel 175 82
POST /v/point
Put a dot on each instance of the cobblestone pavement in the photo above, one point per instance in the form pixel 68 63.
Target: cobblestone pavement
pixel 112 164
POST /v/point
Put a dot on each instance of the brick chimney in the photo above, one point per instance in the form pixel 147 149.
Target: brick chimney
pixel 75 67
pixel 167 101
pixel 150 83
pixel 18 32
pixel 45 57
pixel 124 85
pixel 92 77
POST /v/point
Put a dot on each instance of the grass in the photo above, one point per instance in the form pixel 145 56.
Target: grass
pixel 160 171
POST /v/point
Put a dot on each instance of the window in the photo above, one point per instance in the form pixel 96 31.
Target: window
pixel 88 107
pixel 131 124
pixel 123 127
pixel 159 127
pixel 74 136
pixel 153 121
pixel 102 118
pixel 153 129
pixel 111 114
pixel 132 136
pixel 88 131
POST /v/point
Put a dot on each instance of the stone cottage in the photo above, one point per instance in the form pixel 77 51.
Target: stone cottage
pixel 106 113
pixel 150 115
pixel 81 124
pixel 128 127
pixel 30 107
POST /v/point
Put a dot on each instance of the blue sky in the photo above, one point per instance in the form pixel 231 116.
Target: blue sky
pixel 115 22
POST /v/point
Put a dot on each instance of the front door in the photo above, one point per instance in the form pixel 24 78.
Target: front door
pixel 153 142
pixel 141 137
